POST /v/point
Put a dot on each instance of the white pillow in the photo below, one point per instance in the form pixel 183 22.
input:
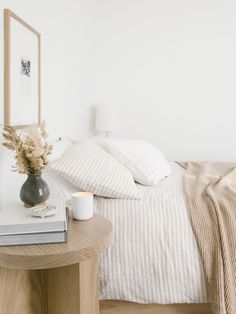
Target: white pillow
pixel 59 147
pixel 58 185
pixel 90 168
pixel 146 163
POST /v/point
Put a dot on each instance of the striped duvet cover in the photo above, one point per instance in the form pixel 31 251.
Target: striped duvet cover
pixel 154 257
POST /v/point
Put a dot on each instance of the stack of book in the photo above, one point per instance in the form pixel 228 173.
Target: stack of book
pixel 19 227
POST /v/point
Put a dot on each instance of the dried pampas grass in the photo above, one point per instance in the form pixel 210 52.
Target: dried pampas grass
pixel 30 147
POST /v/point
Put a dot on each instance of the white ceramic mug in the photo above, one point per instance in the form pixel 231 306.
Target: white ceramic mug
pixel 82 205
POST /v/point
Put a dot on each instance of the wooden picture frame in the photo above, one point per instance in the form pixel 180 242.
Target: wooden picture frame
pixel 22 72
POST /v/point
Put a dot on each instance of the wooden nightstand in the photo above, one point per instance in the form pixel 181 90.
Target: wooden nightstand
pixel 55 278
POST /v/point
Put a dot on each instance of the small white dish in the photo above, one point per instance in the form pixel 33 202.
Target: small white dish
pixel 42 211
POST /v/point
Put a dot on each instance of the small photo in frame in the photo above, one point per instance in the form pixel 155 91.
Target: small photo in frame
pixel 25 66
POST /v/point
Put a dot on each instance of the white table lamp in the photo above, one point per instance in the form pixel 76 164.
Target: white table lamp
pixel 106 119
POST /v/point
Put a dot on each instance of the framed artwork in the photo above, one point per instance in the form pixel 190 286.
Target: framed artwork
pixel 22 94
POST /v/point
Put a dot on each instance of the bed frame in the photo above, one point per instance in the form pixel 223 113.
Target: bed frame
pixel 121 307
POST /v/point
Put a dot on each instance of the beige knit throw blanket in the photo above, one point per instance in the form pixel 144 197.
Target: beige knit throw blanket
pixel 211 193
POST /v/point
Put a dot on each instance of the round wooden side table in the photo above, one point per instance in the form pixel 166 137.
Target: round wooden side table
pixel 55 278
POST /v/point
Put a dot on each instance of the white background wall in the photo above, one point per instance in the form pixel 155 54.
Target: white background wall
pixel 171 67
pixel 65 27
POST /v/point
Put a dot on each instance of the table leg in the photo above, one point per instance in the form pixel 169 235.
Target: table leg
pixel 22 292
pixel 73 289
pixel 67 290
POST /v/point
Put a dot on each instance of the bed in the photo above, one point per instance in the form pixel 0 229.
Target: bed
pixel 154 259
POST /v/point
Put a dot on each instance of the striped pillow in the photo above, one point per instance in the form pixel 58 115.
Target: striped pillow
pixel 90 168
pixel 145 162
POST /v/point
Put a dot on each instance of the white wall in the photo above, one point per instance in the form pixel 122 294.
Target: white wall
pixel 171 67
pixel 65 27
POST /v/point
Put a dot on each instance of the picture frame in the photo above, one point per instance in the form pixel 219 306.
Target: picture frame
pixel 22 72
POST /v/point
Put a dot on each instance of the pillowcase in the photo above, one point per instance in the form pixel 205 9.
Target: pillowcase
pixel 59 147
pixel 58 185
pixel 90 168
pixel 146 163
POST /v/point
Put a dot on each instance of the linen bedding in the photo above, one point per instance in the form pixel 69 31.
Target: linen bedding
pixel 154 256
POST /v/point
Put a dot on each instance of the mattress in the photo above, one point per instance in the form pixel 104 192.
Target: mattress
pixel 154 256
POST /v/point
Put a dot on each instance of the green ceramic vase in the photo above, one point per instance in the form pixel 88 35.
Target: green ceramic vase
pixel 34 191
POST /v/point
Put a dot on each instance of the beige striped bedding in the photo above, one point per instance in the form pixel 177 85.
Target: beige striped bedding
pixel 90 168
pixel 154 257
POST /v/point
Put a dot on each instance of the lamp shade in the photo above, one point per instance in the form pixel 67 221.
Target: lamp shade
pixel 106 118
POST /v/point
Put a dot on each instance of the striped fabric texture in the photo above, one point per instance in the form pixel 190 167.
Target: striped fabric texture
pixel 90 168
pixel 145 161
pixel 154 256
pixel 211 193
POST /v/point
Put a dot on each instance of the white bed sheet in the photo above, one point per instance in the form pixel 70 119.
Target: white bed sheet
pixel 154 256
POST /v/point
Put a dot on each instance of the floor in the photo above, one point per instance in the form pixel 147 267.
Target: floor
pixel 120 307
